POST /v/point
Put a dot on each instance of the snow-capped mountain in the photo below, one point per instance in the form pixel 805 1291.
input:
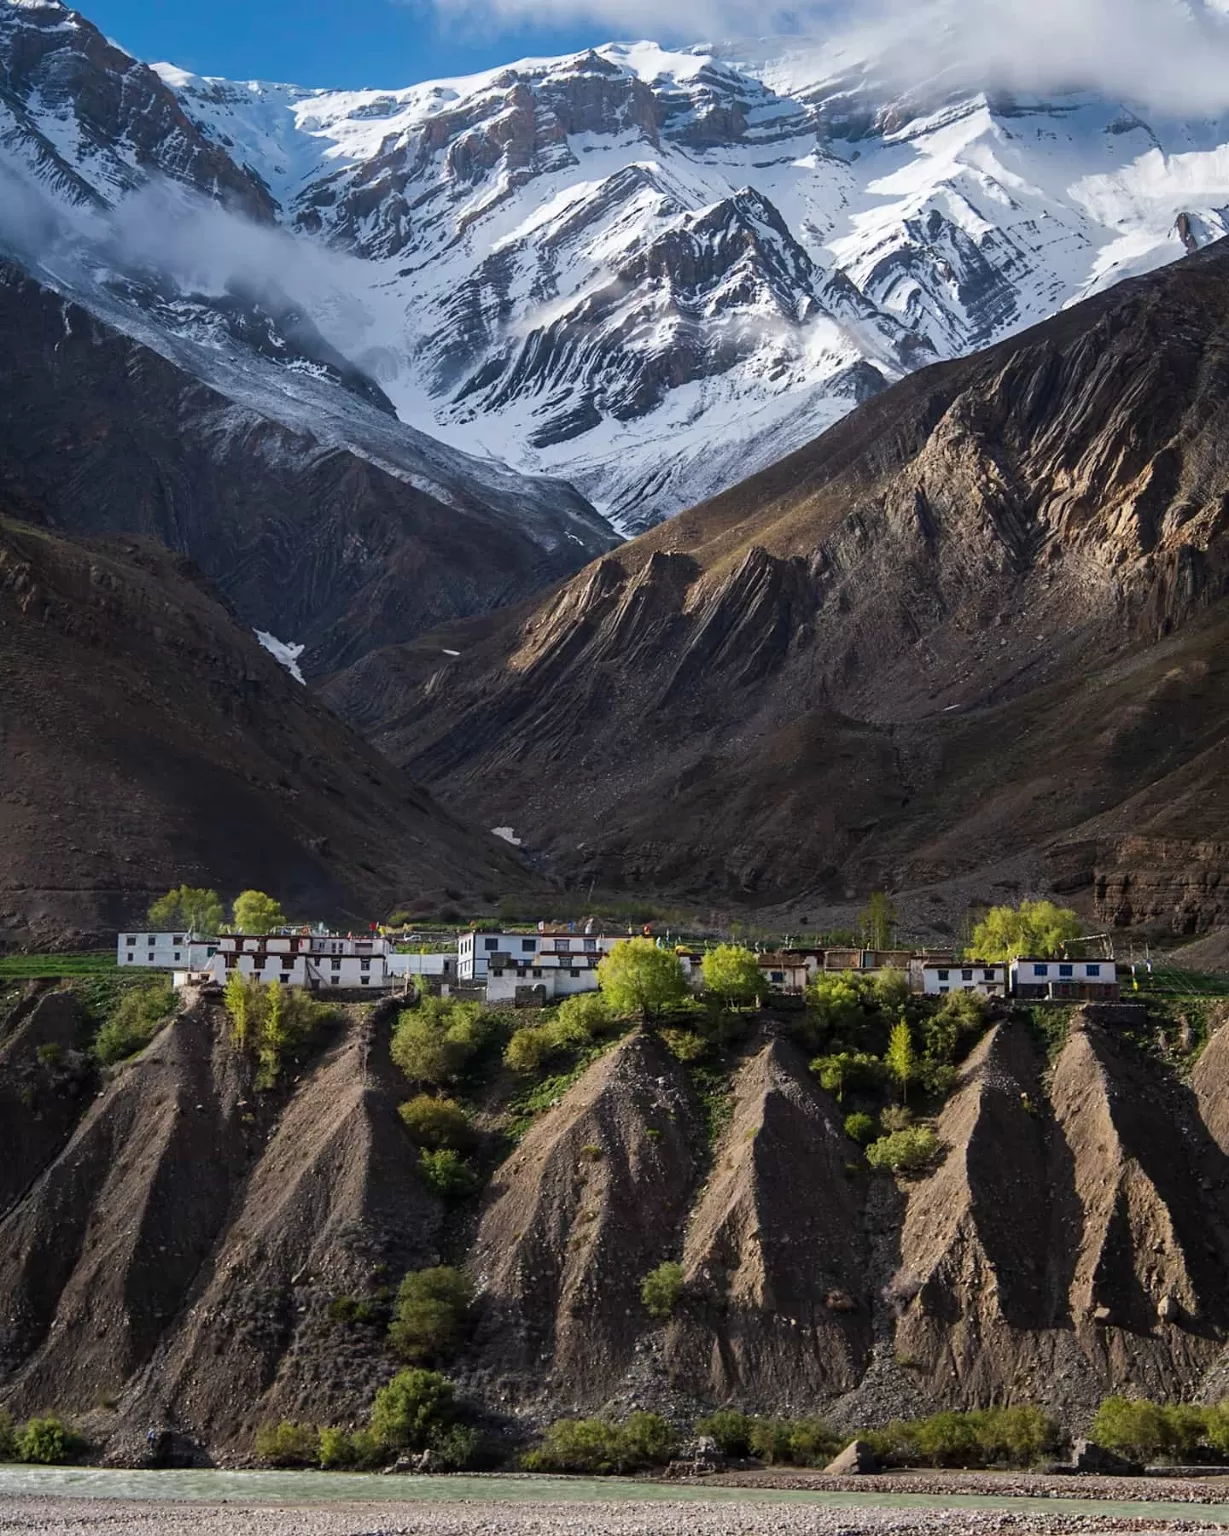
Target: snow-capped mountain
pixel 648 272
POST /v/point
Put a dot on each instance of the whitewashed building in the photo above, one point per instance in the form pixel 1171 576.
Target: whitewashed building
pixel 322 960
pixel 476 951
pixel 987 977
pixel 180 951
pixel 1079 980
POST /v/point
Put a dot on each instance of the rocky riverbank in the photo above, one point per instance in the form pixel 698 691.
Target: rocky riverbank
pixel 103 1517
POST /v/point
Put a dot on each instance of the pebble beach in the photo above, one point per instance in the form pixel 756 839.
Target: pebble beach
pixel 36 1516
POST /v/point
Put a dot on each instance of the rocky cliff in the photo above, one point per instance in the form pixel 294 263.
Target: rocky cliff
pixel 971 635
pixel 176 1248
pixel 147 739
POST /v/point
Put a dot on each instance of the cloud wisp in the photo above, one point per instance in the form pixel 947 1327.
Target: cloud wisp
pixel 1171 55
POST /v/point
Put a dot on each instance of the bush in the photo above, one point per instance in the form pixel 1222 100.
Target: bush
pixel 662 1289
pixel 600 1447
pixel 458 1448
pixel 985 1436
pixel 794 1442
pixel 529 1048
pixel 847 1069
pixel 437 1123
pixel 730 1429
pixel 586 1016
pixel 1142 1431
pixel 288 1444
pixel 432 1314
pixel 594 1446
pixel 359 1451
pixel 272 1021
pixel 861 1127
pixel 684 1044
pixel 904 1151
pixel 45 1442
pixel 447 1174
pixel 434 1042
pixel 133 1022
pixel 414 1406
pixel 896 1117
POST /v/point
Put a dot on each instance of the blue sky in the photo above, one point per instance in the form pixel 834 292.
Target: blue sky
pixel 344 43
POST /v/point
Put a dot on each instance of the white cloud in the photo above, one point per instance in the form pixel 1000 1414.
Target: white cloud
pixel 1172 54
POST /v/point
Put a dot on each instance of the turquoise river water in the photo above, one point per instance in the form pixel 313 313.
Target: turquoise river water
pixel 298 1488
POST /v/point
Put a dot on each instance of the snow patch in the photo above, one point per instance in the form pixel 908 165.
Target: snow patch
pixel 284 651
pixel 508 835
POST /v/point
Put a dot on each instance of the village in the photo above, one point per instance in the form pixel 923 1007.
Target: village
pixel 531 969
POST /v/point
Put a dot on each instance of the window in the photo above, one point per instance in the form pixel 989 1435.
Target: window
pixel 152 940
pixel 497 970
pixel 285 981
pixel 537 975
pixel 777 977
pixel 1066 970
pixel 1041 970
pixel 490 944
pixel 943 975
pixel 987 975
pixel 575 973
pixel 1094 970
pixel 177 939
pixel 563 945
pixel 336 964
pixel 528 946
pixel 364 965
pixel 945 989
pixel 966 975
pixel 336 980
pixel 590 943
pixel 176 954
pixel 132 938
pixel 131 957
pixel 366 980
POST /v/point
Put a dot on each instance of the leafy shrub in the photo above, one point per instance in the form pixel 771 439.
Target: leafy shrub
pixel 458 1448
pixel 529 1048
pixel 860 1127
pixel 132 1023
pixel 447 1174
pixel 414 1406
pixel 272 1021
pixel 437 1123
pixel 984 1436
pixel 349 1309
pixel 288 1444
pixel 1142 1430
pixel 594 1446
pixel 434 1042
pixel 600 1447
pixel 794 1442
pixel 578 1022
pixel 730 1429
pixel 662 1289
pixel 46 1441
pixel 904 1151
pixel 847 1069
pixel 684 1044
pixel 432 1314
pixel 896 1117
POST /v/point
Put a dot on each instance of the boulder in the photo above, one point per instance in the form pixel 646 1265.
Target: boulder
pixel 857 1457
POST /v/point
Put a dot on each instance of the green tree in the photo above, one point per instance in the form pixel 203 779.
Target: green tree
pixel 860 1127
pixel 412 1408
pixel 847 1069
pixel 434 1042
pixel 662 1289
pixel 904 1151
pixel 254 912
pixel 134 1021
pixel 877 921
pixel 432 1315
pixel 901 1059
pixel 189 907
pixel 238 999
pixel 638 980
pixel 1034 928
pixel 733 973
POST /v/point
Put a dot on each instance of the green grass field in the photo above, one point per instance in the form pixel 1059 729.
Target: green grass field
pixel 23 967
pixel 1173 981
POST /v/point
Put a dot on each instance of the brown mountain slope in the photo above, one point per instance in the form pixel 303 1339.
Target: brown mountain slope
pixel 145 739
pixel 979 620
pixel 334 546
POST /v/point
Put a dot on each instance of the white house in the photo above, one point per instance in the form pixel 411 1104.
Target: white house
pixel 475 950
pixel 164 951
pixel 1082 980
pixel 984 976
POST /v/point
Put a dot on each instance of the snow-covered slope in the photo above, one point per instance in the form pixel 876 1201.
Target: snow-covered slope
pixel 653 272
